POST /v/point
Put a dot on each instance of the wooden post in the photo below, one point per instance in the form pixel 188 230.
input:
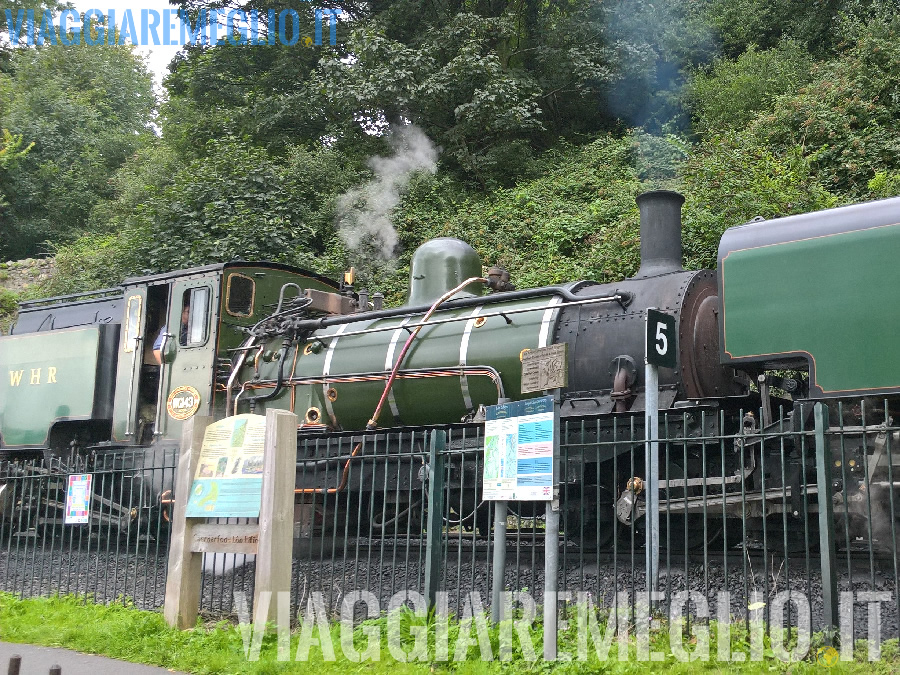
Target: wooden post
pixel 185 566
pixel 271 540
pixel 276 514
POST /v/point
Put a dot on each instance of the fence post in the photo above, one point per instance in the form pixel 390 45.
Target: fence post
pixel 826 524
pixel 551 578
pixel 435 520
pixel 501 512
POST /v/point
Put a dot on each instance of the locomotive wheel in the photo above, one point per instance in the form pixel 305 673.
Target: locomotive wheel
pixel 683 533
pixel 590 517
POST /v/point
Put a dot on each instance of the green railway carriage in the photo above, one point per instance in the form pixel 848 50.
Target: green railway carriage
pixel 818 292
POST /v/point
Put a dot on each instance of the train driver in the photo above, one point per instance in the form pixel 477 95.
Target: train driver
pixel 158 343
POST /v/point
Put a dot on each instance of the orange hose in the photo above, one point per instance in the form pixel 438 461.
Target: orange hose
pixel 373 423
pixel 343 482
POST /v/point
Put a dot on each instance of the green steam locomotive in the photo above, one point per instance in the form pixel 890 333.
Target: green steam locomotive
pixel 125 367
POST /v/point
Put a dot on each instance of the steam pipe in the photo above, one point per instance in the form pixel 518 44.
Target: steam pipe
pixel 279 383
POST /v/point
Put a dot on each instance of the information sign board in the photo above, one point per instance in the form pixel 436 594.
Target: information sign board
pixel 228 482
pixel 78 499
pixel 545 368
pixel 519 450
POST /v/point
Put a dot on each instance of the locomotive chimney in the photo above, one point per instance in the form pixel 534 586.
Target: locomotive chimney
pixel 660 232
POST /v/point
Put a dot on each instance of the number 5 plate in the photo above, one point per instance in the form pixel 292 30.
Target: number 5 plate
pixel 661 339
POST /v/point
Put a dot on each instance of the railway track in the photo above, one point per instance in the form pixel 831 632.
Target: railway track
pixel 525 548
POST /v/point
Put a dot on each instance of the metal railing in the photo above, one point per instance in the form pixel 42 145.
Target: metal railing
pixel 119 553
pixel 792 521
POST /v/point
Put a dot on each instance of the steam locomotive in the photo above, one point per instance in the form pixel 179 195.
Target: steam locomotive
pixel 123 368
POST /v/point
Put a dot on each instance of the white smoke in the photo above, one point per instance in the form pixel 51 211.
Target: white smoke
pixel 364 213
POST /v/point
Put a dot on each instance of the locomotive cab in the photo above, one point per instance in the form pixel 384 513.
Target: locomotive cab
pixel 180 333
pixel 167 334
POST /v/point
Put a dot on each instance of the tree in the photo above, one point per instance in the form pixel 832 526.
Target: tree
pixel 494 83
pixel 234 202
pixel 11 152
pixel 85 109
pixel 11 8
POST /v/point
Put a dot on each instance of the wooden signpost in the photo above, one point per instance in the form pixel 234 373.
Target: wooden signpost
pixel 230 490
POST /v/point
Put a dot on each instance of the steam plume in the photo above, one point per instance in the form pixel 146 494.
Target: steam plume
pixel 364 213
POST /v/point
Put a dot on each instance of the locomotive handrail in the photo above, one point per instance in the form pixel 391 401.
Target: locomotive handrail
pixel 59 299
pixel 130 415
pixel 623 298
pixel 160 393
pixel 376 376
pixel 504 314
pixel 233 377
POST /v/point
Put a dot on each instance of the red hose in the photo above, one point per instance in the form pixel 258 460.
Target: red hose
pixel 373 423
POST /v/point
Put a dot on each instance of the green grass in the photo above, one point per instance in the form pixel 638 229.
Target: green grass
pixel 122 632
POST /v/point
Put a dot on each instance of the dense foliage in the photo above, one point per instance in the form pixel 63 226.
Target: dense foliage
pixel 550 118
pixel 81 111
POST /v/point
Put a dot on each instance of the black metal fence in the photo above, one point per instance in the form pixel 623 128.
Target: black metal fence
pixel 120 552
pixel 792 520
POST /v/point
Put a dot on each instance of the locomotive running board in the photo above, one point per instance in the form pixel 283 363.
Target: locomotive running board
pixel 695 482
pixel 747 505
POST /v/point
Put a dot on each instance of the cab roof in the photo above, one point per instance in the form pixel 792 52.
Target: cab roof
pixel 219 268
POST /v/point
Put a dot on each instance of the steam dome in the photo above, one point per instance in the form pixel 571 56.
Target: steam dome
pixel 439 265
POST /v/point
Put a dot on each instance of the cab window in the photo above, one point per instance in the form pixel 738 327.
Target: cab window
pixel 239 295
pixel 194 317
pixel 132 322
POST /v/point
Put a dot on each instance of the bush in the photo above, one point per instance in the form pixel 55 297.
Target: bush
pixel 8 303
pixel 845 120
pixel 730 94
pixel 730 179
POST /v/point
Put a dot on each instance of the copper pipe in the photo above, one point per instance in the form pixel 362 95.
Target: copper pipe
pixel 373 423
pixel 165 499
pixel 343 483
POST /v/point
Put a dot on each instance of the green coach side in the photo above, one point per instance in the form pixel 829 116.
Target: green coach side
pixel 57 383
pixel 817 291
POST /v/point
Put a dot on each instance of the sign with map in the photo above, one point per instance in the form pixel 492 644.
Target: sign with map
pixel 228 482
pixel 520 450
